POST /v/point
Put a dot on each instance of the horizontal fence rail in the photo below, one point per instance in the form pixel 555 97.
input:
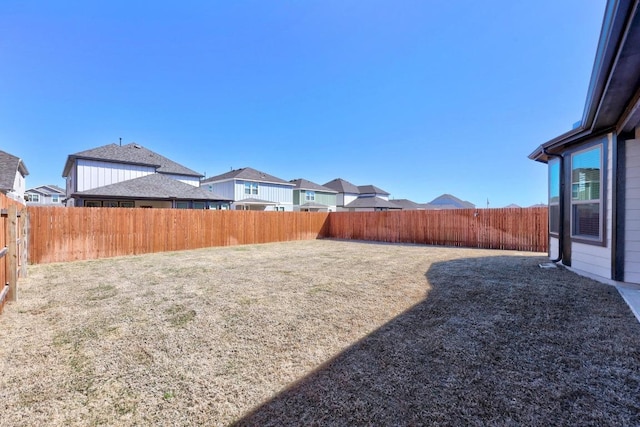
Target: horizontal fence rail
pixel 68 234
pixel 523 229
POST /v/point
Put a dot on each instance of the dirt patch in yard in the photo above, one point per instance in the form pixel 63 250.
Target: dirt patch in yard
pixel 317 332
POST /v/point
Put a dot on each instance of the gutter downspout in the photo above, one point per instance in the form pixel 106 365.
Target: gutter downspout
pixel 560 205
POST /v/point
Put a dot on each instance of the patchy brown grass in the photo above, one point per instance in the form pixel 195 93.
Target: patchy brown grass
pixel 317 332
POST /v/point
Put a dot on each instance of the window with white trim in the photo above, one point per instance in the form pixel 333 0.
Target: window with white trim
pixel 586 193
pixel 554 196
pixel 251 188
pixel 310 196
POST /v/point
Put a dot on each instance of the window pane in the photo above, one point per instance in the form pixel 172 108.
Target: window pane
pixel 586 220
pixel 554 218
pixel 585 175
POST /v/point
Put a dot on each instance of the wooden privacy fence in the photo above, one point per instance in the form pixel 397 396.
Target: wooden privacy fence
pixel 68 234
pixel 523 229
pixel 14 227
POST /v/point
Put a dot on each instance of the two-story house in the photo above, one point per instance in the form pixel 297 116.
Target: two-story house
pixel 311 197
pixel 352 198
pixel 346 192
pixel 133 176
pixel 45 195
pixel 251 189
pixel 13 172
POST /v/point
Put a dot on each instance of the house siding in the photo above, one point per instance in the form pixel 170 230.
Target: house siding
pixel 19 187
pixel 224 189
pixel 328 199
pixel 344 199
pixel 283 195
pixel 553 247
pixel 93 174
pixel 632 214
pixel 591 258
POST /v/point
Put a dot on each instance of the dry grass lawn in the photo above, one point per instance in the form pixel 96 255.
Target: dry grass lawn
pixel 317 333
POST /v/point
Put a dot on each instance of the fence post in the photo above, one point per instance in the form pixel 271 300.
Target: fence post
pixel 24 243
pixel 12 253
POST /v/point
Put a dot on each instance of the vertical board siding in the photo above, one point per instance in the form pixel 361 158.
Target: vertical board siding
pixel 95 173
pixel 68 234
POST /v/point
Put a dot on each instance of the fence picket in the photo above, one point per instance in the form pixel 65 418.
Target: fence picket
pixel 65 234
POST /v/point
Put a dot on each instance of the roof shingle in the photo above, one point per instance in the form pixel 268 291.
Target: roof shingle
pixel 9 165
pixel 130 154
pixel 153 186
pixel 248 174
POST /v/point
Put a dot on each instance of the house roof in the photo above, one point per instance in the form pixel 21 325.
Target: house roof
pixel 9 165
pixel 447 201
pixel 247 174
pixel 46 189
pixel 312 205
pixel 342 186
pixel 371 189
pixel 253 201
pixel 407 204
pixel 154 186
pixel 134 154
pixel 303 184
pixel 613 95
pixel 372 202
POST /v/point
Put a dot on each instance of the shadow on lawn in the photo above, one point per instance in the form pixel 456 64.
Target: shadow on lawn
pixel 497 341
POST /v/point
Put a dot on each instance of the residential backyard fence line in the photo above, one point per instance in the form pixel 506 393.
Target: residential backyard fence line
pixel 68 234
pixel 13 247
pixel 523 229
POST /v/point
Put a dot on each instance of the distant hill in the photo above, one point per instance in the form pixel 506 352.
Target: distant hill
pixel 447 201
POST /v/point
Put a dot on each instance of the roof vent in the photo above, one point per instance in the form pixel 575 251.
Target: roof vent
pixel 136 145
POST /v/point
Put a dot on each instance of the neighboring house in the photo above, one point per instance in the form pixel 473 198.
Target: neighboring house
pixel 12 176
pixel 133 176
pixel 311 197
pixel 372 191
pixel 408 205
pixel 346 192
pixel 45 195
pixel 594 169
pixel 250 189
pixel 447 201
pixel 371 203
pixel 352 198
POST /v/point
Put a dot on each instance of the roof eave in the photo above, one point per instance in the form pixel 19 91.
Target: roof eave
pixel 613 31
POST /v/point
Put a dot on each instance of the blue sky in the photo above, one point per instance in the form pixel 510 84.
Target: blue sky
pixel 419 98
